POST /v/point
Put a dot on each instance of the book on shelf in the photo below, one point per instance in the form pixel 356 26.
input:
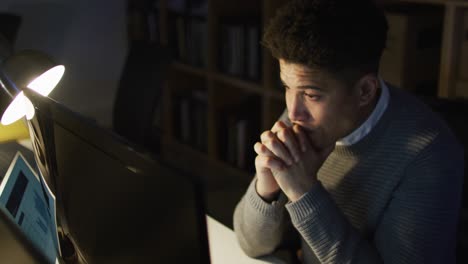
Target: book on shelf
pixel 239 129
pixel 412 54
pixel 239 50
pixel 198 8
pixel 197 38
pixel 190 119
pixel 253 52
pixel 154 31
pixel 188 39
pixel 177 6
pixel 180 40
pixel 232 49
pixel 463 60
pixel 189 7
pixel 143 22
pixel 200 119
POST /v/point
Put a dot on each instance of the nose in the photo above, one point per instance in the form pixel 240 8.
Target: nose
pixel 297 111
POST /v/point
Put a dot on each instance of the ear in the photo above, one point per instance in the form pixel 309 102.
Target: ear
pixel 368 88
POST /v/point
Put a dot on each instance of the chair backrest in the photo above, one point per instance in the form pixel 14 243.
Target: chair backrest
pixel 455 113
pixel 140 91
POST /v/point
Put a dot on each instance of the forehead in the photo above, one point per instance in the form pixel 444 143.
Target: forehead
pixel 299 74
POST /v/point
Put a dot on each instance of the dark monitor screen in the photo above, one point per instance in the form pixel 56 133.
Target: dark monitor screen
pixel 115 203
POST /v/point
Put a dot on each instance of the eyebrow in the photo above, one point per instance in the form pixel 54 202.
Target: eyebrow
pixel 304 87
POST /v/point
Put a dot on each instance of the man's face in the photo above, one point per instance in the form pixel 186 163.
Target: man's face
pixel 319 103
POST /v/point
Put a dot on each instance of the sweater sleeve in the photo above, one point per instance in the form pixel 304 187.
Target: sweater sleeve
pixel 418 226
pixel 259 225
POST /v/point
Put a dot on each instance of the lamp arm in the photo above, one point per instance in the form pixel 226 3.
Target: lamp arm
pixel 7 85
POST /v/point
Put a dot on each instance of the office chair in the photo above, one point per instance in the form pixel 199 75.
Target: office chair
pixel 455 113
pixel 140 92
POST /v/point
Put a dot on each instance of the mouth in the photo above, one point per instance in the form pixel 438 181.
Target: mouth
pixel 311 133
pixel 305 128
pixel 308 131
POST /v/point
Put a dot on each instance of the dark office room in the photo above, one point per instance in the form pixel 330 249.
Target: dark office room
pixel 247 131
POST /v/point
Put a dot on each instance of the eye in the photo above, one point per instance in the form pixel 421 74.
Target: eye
pixel 313 97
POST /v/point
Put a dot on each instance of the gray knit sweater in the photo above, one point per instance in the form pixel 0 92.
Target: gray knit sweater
pixel 392 197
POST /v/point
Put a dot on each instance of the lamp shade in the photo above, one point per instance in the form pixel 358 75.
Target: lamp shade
pixel 13 104
pixel 26 69
pixel 33 69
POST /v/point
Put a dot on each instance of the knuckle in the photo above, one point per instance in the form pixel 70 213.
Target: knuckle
pixel 281 124
pixel 260 148
pixel 269 161
pixel 266 135
pixel 274 144
pixel 281 135
pixel 285 134
pixel 282 132
pixel 258 161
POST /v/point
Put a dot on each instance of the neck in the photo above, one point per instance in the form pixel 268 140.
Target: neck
pixel 367 110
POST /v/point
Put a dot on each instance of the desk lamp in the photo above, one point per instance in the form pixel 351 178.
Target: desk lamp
pixel 27 68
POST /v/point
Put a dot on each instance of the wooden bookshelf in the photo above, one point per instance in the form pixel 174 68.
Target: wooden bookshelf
pixel 226 84
pixel 452 37
pixel 460 3
pixel 189 69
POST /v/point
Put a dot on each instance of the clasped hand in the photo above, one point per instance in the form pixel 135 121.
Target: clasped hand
pixel 287 160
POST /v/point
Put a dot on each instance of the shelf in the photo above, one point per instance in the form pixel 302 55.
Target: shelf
pixel 213 172
pixel 234 170
pixel 435 2
pixel 190 69
pixel 248 86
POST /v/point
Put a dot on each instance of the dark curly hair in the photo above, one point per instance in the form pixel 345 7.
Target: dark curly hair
pixel 343 37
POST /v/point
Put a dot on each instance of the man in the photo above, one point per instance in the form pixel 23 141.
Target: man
pixel 363 171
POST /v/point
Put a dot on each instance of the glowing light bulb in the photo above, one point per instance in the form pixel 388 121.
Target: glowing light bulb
pixel 20 107
pixel 46 82
pixel 29 108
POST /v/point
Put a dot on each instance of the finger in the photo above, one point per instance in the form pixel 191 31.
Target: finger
pixel 289 140
pixel 301 137
pixel 277 126
pixel 267 136
pixel 262 150
pixel 271 141
pixel 262 162
pixel 280 150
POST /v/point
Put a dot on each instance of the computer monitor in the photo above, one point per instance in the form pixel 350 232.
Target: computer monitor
pixel 114 202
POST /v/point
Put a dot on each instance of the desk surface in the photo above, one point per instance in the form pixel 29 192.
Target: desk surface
pixel 225 249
